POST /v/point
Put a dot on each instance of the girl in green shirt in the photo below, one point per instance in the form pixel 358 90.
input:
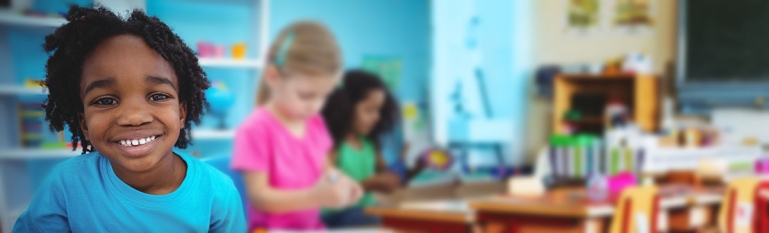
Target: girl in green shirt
pixel 358 114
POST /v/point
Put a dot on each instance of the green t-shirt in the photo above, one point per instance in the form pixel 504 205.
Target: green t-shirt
pixel 359 164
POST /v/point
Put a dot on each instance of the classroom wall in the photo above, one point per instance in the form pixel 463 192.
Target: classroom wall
pixel 387 28
pixel 554 44
pixel 396 29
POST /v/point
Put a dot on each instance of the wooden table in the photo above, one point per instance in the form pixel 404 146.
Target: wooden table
pixel 569 210
pixel 447 216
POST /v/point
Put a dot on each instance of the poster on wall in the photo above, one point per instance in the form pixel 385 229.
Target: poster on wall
pixel 633 13
pixel 582 15
pixel 633 16
pixel 388 68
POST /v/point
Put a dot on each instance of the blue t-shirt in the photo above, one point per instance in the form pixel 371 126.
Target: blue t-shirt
pixel 83 194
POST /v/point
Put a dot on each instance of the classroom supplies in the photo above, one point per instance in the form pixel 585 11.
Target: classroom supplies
pixel 221 99
pixel 438 159
pixel 239 51
pixel 205 49
pixel 32 117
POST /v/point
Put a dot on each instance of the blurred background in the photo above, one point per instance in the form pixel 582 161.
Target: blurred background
pixel 500 88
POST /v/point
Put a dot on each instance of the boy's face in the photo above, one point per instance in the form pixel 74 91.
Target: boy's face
pixel 130 95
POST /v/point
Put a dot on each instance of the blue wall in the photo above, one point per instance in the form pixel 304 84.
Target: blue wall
pixel 388 28
pixel 394 29
pixel 391 28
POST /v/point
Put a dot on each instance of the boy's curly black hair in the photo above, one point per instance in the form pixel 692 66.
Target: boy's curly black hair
pixel 70 45
pixel 339 111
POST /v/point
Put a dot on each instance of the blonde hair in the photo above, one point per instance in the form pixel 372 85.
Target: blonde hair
pixel 306 47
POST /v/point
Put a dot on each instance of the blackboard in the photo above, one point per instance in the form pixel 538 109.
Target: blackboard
pixel 726 40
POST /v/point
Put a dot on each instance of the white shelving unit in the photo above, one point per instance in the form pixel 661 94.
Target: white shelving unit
pixel 21 90
pixel 13 159
pixel 230 63
pixel 208 134
pixel 38 153
pixel 23 153
pixel 11 18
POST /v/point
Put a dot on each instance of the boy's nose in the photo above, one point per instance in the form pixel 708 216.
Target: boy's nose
pixel 134 114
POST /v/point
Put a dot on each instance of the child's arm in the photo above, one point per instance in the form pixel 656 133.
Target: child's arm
pixel 418 166
pixel 325 193
pixel 383 181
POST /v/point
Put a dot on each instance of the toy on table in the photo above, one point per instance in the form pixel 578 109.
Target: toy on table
pixel 438 159
pixel 762 166
pixel 220 99
pixel 597 187
pixel 619 182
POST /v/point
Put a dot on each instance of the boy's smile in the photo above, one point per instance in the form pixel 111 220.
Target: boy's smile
pixel 131 109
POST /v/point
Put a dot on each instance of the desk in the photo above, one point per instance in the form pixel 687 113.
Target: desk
pixel 568 210
pixel 433 216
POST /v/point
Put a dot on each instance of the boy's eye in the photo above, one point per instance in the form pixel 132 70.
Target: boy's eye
pixel 105 101
pixel 156 97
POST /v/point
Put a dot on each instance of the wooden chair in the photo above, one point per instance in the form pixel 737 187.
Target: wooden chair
pixel 737 213
pixel 637 211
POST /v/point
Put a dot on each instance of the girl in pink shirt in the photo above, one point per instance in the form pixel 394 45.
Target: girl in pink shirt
pixel 281 148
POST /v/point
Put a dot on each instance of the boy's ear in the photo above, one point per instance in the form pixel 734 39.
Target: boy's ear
pixel 182 113
pixel 83 125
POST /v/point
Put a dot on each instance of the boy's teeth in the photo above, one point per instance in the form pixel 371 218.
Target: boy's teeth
pixel 136 142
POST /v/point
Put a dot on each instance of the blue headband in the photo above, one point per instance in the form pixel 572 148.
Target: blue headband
pixel 280 59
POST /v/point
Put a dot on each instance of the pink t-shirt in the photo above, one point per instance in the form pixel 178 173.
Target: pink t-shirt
pixel 263 144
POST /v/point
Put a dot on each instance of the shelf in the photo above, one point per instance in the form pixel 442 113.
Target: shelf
pixel 588 121
pixel 588 76
pixel 229 63
pixel 11 18
pixel 67 152
pixel 21 90
pixel 39 153
pixel 208 134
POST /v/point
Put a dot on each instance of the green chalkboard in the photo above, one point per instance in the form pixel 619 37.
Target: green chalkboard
pixel 726 40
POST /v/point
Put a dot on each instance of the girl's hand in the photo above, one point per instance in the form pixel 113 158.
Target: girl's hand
pixel 356 190
pixel 334 189
pixel 387 181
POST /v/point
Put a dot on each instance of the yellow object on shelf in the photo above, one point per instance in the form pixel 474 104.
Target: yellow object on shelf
pixel 239 51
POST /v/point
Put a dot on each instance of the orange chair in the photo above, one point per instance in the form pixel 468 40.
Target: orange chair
pixel 737 214
pixel 637 211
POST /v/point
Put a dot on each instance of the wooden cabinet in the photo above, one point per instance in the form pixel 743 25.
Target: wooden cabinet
pixel 640 93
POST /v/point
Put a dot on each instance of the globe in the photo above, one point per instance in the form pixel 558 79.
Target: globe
pixel 220 100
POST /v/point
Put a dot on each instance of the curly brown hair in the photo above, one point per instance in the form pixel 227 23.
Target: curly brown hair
pixel 87 27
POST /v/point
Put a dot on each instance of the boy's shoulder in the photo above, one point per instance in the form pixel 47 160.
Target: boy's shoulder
pixel 80 169
pixel 80 164
pixel 212 177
